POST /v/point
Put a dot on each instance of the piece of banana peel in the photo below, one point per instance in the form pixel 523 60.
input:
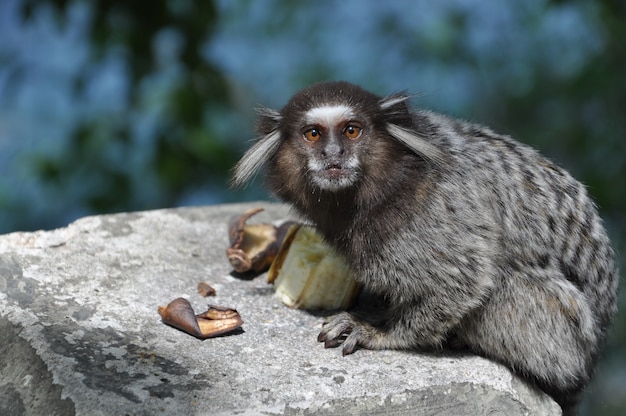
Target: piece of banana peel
pixel 214 322
pixel 253 247
pixel 306 272
pixel 205 289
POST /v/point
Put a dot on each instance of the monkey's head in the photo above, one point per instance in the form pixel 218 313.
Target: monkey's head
pixel 333 137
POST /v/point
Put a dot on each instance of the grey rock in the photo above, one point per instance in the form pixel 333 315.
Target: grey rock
pixel 80 334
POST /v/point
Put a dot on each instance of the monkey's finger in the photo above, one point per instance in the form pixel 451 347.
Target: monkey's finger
pixel 333 343
pixel 343 318
pixel 350 345
pixel 336 332
pixel 330 319
pixel 324 336
pixel 347 351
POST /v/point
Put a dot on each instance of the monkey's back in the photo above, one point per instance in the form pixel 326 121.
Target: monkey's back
pixel 547 216
pixel 557 280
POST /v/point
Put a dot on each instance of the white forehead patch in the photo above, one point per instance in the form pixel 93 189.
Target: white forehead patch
pixel 328 115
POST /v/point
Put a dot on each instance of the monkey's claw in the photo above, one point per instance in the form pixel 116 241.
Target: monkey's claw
pixel 341 329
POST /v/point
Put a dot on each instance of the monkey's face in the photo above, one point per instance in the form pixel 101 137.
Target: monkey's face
pixel 330 138
pixel 324 132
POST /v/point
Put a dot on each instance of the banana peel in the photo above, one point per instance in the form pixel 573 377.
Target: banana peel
pixel 253 247
pixel 308 274
pixel 216 321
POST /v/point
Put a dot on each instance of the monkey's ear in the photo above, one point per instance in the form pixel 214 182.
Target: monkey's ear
pixel 401 126
pixel 268 121
pixel 265 147
pixel 417 143
pixel 395 102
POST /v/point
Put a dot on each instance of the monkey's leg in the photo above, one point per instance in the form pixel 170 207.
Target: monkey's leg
pixel 540 326
pixel 407 326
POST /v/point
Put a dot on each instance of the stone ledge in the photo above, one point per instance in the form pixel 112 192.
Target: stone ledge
pixel 81 334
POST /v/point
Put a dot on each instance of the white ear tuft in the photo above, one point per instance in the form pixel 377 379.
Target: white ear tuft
pixel 269 113
pixel 392 100
pixel 253 160
pixel 417 144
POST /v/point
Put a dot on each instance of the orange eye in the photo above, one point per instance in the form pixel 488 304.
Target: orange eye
pixel 312 135
pixel 352 132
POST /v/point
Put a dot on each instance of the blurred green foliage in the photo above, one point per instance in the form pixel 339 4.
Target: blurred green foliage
pixel 182 118
pixel 182 151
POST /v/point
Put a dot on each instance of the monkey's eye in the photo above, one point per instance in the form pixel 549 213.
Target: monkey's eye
pixel 312 135
pixel 352 131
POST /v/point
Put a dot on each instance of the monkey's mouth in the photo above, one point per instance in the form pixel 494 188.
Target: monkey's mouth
pixel 335 170
pixel 335 176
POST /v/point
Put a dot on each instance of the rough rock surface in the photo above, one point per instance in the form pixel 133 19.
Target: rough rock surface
pixel 80 334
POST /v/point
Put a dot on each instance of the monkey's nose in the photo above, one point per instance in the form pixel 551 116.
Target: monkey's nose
pixel 332 149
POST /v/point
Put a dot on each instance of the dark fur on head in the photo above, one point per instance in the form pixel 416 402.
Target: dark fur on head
pixel 468 235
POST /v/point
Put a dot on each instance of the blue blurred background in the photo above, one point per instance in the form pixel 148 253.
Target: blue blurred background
pixel 111 105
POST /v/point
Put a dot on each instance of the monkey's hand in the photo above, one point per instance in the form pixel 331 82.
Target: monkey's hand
pixel 344 329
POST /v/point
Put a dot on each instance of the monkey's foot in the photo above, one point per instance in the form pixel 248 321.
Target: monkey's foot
pixel 344 329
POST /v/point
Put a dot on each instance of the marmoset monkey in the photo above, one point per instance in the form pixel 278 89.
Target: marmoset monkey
pixel 467 234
